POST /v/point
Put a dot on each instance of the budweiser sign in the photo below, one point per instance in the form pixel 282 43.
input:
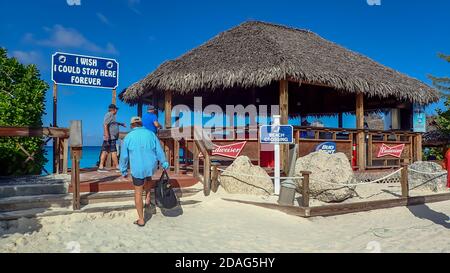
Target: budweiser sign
pixel 395 151
pixel 231 150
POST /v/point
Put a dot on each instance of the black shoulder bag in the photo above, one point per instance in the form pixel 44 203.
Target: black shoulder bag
pixel 165 195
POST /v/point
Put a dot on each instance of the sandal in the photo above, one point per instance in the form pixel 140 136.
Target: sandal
pixel 137 223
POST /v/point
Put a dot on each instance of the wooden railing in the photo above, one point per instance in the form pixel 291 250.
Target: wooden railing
pixel 309 138
pixel 172 144
pixel 60 150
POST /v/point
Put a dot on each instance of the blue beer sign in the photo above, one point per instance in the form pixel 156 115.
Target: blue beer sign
pixel 87 71
pixel 276 134
pixel 328 147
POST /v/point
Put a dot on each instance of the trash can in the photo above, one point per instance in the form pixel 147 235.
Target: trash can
pixel 287 193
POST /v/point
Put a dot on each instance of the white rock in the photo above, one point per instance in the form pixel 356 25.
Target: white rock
pixel 432 182
pixel 326 170
pixel 242 177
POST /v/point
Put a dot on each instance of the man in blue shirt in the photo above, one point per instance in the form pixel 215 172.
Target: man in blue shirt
pixel 150 119
pixel 142 149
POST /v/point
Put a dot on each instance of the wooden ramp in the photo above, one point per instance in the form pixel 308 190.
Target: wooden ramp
pixel 93 181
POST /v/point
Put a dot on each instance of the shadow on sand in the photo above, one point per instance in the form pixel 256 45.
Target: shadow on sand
pixel 175 212
pixel 424 212
pixel 19 226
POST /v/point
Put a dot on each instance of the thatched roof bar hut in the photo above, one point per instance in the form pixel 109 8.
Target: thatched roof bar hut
pixel 262 63
pixel 257 54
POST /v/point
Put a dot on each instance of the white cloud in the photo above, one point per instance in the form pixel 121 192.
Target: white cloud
pixel 62 37
pixel 103 19
pixel 132 4
pixel 27 57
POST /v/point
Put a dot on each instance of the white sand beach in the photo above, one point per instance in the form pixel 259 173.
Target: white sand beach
pixel 216 225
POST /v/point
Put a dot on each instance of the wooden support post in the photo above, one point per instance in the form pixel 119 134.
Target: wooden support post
pixel 360 137
pixel 305 188
pixel 340 120
pixel 176 156
pixel 75 177
pixel 215 177
pixel 114 95
pixel 404 180
pixel 284 113
pixel 168 109
pixel 206 175
pixel 65 158
pixel 196 163
pixel 139 109
pixel 57 159
pixel 185 152
pixel 370 150
pixel 76 145
pixel 55 124
pixel 418 147
pixel 206 167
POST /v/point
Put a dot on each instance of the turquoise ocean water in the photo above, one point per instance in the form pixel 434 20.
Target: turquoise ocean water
pixel 89 159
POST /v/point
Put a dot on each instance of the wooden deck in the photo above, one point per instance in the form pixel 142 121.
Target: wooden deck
pixel 93 181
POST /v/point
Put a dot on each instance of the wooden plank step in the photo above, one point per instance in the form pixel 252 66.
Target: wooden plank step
pixel 93 181
pixel 32 189
pixel 91 208
pixel 65 200
pixel 34 201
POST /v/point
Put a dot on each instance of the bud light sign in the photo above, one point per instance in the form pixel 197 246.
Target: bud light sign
pixel 328 147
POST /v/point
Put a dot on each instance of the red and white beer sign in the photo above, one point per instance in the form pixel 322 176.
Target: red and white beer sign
pixel 395 151
pixel 231 150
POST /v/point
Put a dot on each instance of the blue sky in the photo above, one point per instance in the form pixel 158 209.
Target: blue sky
pixel 403 34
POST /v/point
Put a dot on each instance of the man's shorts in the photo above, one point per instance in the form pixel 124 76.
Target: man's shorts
pixel 109 146
pixel 140 182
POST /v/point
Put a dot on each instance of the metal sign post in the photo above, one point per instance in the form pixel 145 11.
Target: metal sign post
pixel 55 124
pixel 277 134
pixel 277 183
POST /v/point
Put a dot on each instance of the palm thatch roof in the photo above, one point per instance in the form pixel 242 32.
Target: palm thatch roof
pixel 256 54
pixel 434 137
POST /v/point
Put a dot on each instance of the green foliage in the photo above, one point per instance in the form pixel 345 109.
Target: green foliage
pixel 443 118
pixel 22 103
pixel 438 153
pixel 442 83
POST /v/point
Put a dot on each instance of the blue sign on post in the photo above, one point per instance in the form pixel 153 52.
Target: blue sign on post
pixel 419 119
pixel 87 71
pixel 276 134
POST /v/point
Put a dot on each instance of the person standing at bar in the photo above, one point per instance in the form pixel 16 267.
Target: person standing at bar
pixel 150 119
pixel 110 136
